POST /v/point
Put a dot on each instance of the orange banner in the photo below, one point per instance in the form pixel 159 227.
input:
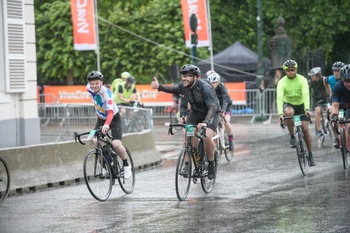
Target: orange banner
pixel 198 8
pixel 149 97
pixel 83 24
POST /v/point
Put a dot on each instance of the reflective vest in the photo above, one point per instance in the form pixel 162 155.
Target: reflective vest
pixel 126 92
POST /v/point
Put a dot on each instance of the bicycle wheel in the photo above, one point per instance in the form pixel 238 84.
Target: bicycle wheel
pixel 228 153
pixel 98 175
pixel 127 185
pixel 344 150
pixel 4 181
pixel 329 130
pixel 219 150
pixel 207 185
pixel 183 182
pixel 303 154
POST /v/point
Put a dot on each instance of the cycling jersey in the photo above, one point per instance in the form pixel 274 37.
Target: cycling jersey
pixel 318 90
pixel 331 80
pixel 125 92
pixel 223 96
pixel 201 96
pixel 341 94
pixel 103 102
pixel 293 91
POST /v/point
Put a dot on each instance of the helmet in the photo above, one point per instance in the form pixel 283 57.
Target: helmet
pixel 290 64
pixel 125 74
pixel 94 75
pixel 213 77
pixel 209 72
pixel 190 69
pixel 314 71
pixel 337 65
pixel 345 72
pixel 130 79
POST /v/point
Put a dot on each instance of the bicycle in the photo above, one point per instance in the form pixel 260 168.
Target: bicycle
pixel 343 146
pixel 325 124
pixel 102 166
pixel 5 181
pixel 197 158
pixel 221 141
pixel 301 148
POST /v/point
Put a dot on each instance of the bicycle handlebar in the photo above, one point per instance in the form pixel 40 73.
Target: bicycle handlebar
pixel 339 121
pixel 170 131
pixel 291 117
pixel 98 133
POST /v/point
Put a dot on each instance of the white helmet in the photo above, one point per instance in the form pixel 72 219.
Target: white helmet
pixel 314 71
pixel 213 77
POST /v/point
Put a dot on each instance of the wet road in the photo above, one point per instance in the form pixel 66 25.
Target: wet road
pixel 261 190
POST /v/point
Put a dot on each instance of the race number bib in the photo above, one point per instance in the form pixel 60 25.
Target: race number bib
pixel 189 130
pixel 297 120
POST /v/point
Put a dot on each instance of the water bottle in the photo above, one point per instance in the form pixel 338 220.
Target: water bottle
pixel 135 106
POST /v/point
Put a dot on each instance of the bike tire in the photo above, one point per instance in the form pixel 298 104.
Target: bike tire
pixel 207 185
pixel 228 153
pixel 328 127
pixel 302 154
pixel 182 182
pixel 344 149
pixel 98 184
pixel 127 185
pixel 5 181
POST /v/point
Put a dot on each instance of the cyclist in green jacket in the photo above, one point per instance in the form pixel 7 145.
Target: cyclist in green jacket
pixel 293 98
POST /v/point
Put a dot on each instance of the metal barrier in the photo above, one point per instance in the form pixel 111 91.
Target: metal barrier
pixel 58 122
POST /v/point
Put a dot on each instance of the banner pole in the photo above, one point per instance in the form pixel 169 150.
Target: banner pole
pixel 210 37
pixel 97 51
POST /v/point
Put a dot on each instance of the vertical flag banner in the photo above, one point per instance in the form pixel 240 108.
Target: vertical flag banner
pixel 83 24
pixel 198 8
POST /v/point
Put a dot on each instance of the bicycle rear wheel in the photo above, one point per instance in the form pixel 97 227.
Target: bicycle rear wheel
pixel 303 154
pixel 4 181
pixel 207 185
pixel 344 149
pixel 127 185
pixel 98 175
pixel 183 182
pixel 228 153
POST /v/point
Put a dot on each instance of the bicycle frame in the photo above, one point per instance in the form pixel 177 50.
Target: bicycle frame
pixel 342 139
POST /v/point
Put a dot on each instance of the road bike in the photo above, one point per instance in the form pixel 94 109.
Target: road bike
pixel 221 142
pixel 343 146
pixel 102 166
pixel 5 180
pixel 301 148
pixel 192 157
pixel 325 124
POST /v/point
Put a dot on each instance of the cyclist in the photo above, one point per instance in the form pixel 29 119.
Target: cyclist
pixel 116 82
pixel 341 92
pixel 126 95
pixel 331 81
pixel 205 107
pixel 319 96
pixel 225 103
pixel 107 115
pixel 293 99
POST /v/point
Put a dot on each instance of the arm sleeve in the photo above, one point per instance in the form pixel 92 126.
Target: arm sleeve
pixel 170 89
pixel 279 97
pixel 211 101
pixel 225 98
pixel 306 94
pixel 109 117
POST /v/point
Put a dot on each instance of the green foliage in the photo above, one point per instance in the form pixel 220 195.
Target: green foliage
pixel 145 37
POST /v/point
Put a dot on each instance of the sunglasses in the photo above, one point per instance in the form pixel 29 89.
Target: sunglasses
pixel 290 70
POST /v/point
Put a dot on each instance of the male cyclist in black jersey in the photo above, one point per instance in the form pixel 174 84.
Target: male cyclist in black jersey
pixel 108 116
pixel 293 99
pixel 341 92
pixel 225 103
pixel 205 107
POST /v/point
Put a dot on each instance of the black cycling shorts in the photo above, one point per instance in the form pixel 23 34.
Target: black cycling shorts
pixel 298 110
pixel 194 118
pixel 115 126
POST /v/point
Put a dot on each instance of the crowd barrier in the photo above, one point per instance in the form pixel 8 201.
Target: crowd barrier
pixel 57 164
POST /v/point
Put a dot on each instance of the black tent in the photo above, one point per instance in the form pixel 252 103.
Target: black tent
pixel 235 57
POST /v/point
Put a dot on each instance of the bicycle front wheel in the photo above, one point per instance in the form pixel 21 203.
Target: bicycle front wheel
pixel 127 185
pixel 207 185
pixel 98 175
pixel 303 154
pixel 4 181
pixel 183 181
pixel 344 149
pixel 329 130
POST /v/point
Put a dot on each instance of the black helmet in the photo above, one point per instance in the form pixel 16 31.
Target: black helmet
pixel 290 64
pixel 190 69
pixel 337 65
pixel 130 79
pixel 345 72
pixel 94 75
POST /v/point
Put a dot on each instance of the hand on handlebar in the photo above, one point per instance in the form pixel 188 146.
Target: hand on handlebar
pixel 105 129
